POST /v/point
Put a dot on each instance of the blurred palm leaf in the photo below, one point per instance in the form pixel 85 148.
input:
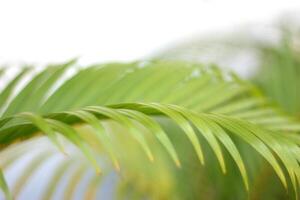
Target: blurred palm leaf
pixel 279 73
pixel 132 111
pixel 267 55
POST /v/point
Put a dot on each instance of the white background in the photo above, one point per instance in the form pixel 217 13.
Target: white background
pixel 39 31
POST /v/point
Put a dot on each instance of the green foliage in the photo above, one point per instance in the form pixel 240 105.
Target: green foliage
pixel 278 75
pixel 161 124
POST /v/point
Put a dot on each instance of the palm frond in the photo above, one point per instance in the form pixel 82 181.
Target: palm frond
pixel 209 106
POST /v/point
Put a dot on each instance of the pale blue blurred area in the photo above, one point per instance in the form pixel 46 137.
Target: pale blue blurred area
pixel 108 186
pixel 36 184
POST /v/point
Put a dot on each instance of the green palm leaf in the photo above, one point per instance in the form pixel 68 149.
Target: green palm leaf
pixel 209 106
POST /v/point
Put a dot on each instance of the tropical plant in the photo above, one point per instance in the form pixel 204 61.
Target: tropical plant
pixel 158 129
pixel 271 63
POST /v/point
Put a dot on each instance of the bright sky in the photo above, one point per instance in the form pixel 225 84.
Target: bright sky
pixel 55 30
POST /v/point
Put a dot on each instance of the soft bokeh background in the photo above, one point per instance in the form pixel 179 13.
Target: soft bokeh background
pixel 38 32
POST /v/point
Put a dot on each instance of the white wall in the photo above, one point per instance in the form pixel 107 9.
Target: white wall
pixel 102 30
